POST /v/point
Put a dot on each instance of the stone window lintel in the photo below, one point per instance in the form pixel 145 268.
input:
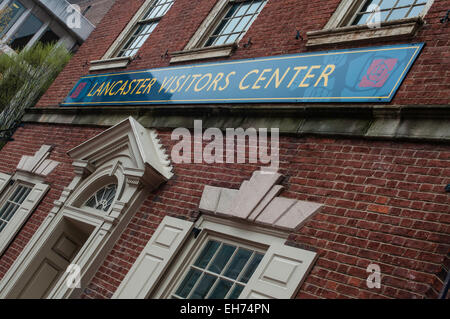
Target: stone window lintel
pixel 404 28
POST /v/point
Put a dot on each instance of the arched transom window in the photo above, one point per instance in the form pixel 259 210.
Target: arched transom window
pixel 103 198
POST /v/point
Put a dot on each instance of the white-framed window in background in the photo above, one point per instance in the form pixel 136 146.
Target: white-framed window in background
pixel 237 18
pixel 220 269
pixel 144 27
pixel 221 31
pixel 389 10
pixel 134 36
pixel 221 259
pixel 12 202
pixel 20 195
pixel 365 20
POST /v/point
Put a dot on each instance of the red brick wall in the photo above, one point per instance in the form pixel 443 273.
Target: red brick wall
pixel 384 203
pixel 272 33
pixel 28 140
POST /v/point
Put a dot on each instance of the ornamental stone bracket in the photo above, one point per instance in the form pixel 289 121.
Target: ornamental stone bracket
pixel 147 158
pixel 257 201
pixel 38 164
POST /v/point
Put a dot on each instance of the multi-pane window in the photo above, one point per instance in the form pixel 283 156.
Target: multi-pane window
pixel 389 10
pixel 236 21
pixel 9 15
pixel 103 198
pixel 25 32
pixel 220 271
pixel 144 27
pixel 12 204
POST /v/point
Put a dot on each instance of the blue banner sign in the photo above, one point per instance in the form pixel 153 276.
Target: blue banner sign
pixel 357 75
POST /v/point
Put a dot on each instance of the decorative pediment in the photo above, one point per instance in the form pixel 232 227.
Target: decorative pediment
pixel 129 144
pixel 39 164
pixel 257 201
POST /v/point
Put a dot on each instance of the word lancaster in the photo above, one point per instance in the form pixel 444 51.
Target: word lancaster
pixel 352 75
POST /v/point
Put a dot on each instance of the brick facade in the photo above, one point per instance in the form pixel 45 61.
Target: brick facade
pixel 384 200
pixel 384 203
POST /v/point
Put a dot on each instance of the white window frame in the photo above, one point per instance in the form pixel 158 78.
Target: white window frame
pixel 253 236
pixel 38 191
pixel 48 22
pixel 109 59
pixel 194 50
pixel 337 30
pixel 161 265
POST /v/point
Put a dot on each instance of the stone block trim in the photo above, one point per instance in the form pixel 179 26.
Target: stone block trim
pixel 256 202
pixel 38 164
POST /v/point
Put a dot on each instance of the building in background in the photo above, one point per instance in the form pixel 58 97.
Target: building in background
pixel 355 94
pixel 94 10
pixel 25 22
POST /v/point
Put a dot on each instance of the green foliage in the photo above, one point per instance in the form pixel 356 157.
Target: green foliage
pixel 24 78
pixel 36 67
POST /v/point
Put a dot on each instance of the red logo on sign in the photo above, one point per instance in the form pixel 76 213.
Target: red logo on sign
pixel 78 90
pixel 378 73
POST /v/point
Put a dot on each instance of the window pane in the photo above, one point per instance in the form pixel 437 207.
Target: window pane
pixel 403 3
pixel 49 37
pixel 236 22
pixel 203 287
pixel 221 40
pixel 210 41
pixel 188 283
pixel 221 289
pixel 9 16
pixel 415 11
pixel 138 38
pixel 222 258
pixel 207 253
pixel 6 210
pixel 391 10
pixel 230 26
pixel 26 31
pixel 12 204
pixel 387 4
pixel 254 7
pixel 368 3
pixel 398 14
pixel 232 11
pixel 238 263
pixel 251 268
pixel 217 271
pixel 232 38
pixel 236 292
pixel 103 198
pixel 158 9
pixel 143 30
pixel 242 10
pixel 242 24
